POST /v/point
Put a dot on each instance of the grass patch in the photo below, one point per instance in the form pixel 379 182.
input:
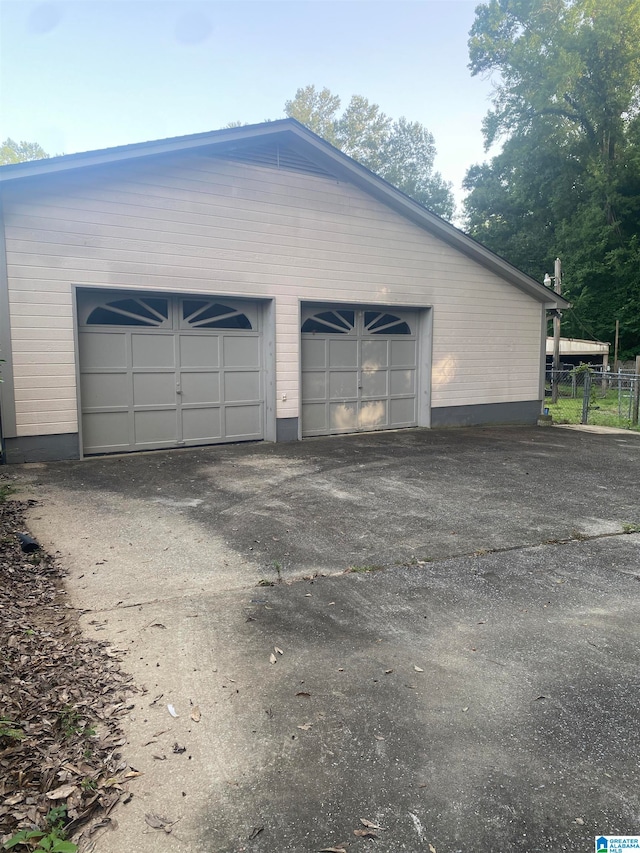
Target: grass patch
pixel 6 490
pixel 604 410
pixel 363 570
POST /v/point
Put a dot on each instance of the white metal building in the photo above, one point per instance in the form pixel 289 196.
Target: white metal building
pixel 575 351
pixel 249 283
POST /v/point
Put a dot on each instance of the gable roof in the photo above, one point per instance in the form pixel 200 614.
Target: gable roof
pixel 289 144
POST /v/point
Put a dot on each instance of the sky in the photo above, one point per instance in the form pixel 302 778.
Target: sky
pixel 78 75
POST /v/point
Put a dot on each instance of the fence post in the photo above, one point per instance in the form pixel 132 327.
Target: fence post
pixel 636 394
pixel 586 397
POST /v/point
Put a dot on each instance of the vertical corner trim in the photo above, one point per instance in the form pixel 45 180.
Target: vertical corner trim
pixel 7 386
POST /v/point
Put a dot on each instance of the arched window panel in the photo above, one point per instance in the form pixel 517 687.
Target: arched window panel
pixel 378 323
pixel 145 311
pixel 206 314
pixel 330 322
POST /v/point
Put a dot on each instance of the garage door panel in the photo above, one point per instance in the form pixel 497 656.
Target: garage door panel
pixel 373 415
pixel 403 353
pixel 105 431
pixel 199 350
pixel 343 384
pixel 154 389
pixel 343 417
pixel 374 354
pixel 375 383
pixel 314 353
pixel 201 424
pixel 314 418
pixel 106 351
pixel 241 386
pixel 243 421
pixel 153 350
pixel 314 385
pixel 343 353
pixel 104 390
pixel 200 387
pixel 155 427
pixel 241 351
pixel 402 412
pixel 402 382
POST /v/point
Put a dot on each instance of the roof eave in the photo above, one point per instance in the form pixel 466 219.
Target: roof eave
pixel 105 156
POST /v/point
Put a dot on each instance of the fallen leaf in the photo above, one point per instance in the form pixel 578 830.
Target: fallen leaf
pixel 378 737
pixel 279 651
pixel 417 669
pixel 365 833
pixel 195 714
pixel 432 849
pixel 388 671
pixel 333 850
pixel 273 658
pixel 369 824
pixel 179 749
pixel 172 710
pixel 466 709
pixel 305 727
pixel 61 793
pixel 132 774
pixel 255 832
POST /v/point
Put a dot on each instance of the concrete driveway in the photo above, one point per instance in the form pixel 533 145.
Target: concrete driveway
pixel 472 684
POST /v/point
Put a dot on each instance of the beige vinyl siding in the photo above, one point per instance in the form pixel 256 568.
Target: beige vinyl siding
pixel 201 225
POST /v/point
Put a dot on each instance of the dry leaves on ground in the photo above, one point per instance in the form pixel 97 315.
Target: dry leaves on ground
pixel 60 698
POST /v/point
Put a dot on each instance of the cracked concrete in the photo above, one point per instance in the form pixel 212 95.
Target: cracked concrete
pixel 466 685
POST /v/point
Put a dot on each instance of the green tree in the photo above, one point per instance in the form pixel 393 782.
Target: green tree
pixel 19 152
pixel 566 108
pixel 401 152
pixel 316 110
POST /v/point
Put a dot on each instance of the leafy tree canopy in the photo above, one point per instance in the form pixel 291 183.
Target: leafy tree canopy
pixel 401 152
pixel 19 152
pixel 566 107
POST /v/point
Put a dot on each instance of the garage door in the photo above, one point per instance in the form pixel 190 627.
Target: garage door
pixel 168 371
pixel 359 370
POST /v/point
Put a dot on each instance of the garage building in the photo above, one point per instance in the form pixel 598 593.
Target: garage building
pixel 252 283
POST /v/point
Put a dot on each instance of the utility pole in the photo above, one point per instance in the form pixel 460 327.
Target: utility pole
pixel 557 286
pixel 615 347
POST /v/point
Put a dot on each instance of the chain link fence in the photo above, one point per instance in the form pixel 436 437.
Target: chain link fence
pixel 584 395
